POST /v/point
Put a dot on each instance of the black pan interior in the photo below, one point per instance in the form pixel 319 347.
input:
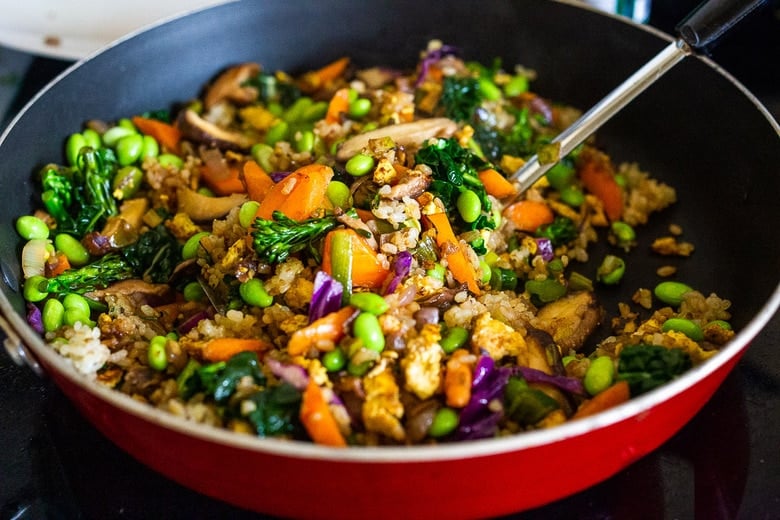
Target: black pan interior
pixel 694 129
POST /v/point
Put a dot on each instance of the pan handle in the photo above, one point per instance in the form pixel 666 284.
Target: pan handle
pixel 708 22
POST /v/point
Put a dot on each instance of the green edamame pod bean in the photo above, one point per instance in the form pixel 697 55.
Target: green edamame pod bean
pixel 719 323
pixel 262 153
pixel 193 292
pixel 126 182
pixel 623 232
pixel 304 141
pixel 369 302
pixel 30 227
pixel 150 148
pixel 438 271
pixel 73 145
pixel 34 289
pixel 444 422
pixel 127 124
pixel 204 190
pixel 129 149
pixel 489 89
pixel 334 360
pixel 297 109
pixel 191 246
pixel 112 136
pixel 73 250
pixel 366 327
pixel 573 196
pixel 359 165
pixel 52 315
pixel 671 292
pixel 73 316
pixel 247 213
pixel 687 327
pixel 169 160
pixel 315 111
pixel 253 293
pixel 338 194
pixel 469 206
pixel 516 86
pixel 277 133
pixel 358 369
pixel 560 176
pixel 599 375
pixel 77 302
pixel 156 355
pixel 453 339
pixel 611 270
pixel 485 268
pixel 92 138
pixel 359 108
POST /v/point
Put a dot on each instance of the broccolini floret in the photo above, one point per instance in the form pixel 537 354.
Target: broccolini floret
pixel 276 239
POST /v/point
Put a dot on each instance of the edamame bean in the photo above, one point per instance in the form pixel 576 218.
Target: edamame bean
pixel 77 302
pixel 129 149
pixel 304 141
pixel 191 246
pixel 573 196
pixel 469 206
pixel 34 289
pixel 247 213
pixel 366 327
pixel 30 228
pixel 438 272
pixel 453 339
pixel 565 360
pixel 560 176
pixel 253 293
pixel 193 292
pixel 92 138
pixel 334 360
pixel 126 123
pixel 489 89
pixel 262 153
pixel 671 293
pixel 719 323
pixel 204 190
pixel 126 182
pixel 516 86
pixel 484 267
pixel 687 327
pixel 277 133
pixel 358 369
pixel 623 232
pixel 150 148
pixel 112 136
pixel 315 111
pixel 338 194
pixel 599 375
pixel 359 108
pixel 73 316
pixel 73 145
pixel 444 422
pixel 157 354
pixel 52 315
pixel 169 160
pixel 369 302
pixel 297 109
pixel 359 165
pixel 611 270
pixel 73 250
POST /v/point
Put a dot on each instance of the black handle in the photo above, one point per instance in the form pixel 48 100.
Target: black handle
pixel 710 20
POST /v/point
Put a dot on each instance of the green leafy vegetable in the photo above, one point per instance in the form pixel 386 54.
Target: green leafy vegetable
pixel 560 231
pixel 275 89
pixel 276 410
pixel 460 97
pixel 275 240
pixel 219 379
pixel 154 255
pixel 526 405
pixel 646 367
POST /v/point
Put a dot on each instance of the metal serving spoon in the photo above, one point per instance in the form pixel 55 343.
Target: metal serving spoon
pixel 698 31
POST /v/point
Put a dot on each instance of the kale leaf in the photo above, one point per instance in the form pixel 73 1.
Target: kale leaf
pixel 646 367
pixel 560 231
pixel 219 380
pixel 154 255
pixel 460 97
pixel 276 410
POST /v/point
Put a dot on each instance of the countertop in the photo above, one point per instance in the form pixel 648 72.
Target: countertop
pixel 724 464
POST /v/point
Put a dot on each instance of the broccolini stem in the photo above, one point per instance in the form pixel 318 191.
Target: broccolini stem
pixel 101 273
pixel 275 240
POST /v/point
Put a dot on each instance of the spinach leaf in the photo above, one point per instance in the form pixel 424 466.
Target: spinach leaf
pixel 276 410
pixel 646 367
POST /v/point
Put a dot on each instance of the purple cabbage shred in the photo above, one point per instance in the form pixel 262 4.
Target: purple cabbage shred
pixel 326 297
pixel 402 266
pixel 35 318
pixel 278 176
pixel 477 420
pixel 545 249
pixel 567 384
pixel 295 375
pixel 432 57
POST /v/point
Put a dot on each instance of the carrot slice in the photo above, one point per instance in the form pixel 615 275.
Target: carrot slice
pixel 614 395
pixel 451 250
pixel 338 105
pixel 496 184
pixel 366 268
pixel 529 215
pixel 257 181
pixel 317 419
pixel 598 176
pixel 223 185
pixel 222 349
pixel 457 379
pixel 327 330
pixel 299 194
pixel 56 265
pixel 166 134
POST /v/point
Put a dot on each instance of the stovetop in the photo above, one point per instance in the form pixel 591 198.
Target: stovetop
pixel 724 464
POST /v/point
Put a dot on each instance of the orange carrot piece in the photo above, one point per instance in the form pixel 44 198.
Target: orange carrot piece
pixel 338 105
pixel 332 70
pixel 166 134
pixel 322 333
pixel 614 395
pixel 222 349
pixel 496 184
pixel 598 176
pixel 451 250
pixel 316 417
pixel 529 215
pixel 298 194
pixel 223 185
pixel 457 379
pixel 257 181
pixel 56 265
pixel 367 270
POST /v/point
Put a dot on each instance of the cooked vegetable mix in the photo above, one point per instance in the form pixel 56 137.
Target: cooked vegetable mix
pixel 338 256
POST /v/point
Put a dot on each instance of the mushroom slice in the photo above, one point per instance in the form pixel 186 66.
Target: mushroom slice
pixel 199 130
pixel 231 85
pixel 404 134
pixel 201 207
pixel 571 319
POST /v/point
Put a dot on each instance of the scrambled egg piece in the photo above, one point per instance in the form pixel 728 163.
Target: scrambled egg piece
pixel 382 409
pixel 498 339
pixel 422 362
